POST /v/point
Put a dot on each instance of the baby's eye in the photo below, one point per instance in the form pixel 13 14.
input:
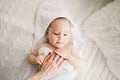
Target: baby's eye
pixel 65 34
pixel 55 33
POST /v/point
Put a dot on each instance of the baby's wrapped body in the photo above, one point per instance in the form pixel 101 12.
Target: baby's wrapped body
pixel 65 72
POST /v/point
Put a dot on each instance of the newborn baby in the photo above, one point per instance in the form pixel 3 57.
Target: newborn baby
pixel 58 35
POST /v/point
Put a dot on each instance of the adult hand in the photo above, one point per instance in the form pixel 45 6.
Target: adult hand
pixel 49 67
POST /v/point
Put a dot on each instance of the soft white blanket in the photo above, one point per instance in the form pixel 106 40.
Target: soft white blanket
pixel 103 27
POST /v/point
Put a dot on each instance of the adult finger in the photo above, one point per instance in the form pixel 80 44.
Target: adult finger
pixel 52 56
pixel 55 58
pixel 47 57
pixel 48 62
pixel 59 61
pixel 51 59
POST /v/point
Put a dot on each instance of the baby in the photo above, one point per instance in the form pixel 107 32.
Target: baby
pixel 59 35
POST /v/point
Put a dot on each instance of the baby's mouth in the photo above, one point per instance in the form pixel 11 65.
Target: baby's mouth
pixel 60 42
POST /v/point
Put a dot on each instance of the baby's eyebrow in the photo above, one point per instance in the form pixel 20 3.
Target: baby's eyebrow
pixel 51 29
pixel 57 31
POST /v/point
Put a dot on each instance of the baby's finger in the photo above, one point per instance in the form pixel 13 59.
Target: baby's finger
pixel 39 62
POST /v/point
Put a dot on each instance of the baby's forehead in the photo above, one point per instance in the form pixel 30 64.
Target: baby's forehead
pixel 61 23
pixel 57 20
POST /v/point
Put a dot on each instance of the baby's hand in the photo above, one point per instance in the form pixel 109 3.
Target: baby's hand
pixel 40 59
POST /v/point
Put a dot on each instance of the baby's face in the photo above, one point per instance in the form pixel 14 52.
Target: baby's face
pixel 59 33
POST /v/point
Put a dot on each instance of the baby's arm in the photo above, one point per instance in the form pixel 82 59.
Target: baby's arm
pixel 74 58
pixel 36 57
pixel 33 56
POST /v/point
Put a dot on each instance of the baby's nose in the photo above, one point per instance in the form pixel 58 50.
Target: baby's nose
pixel 60 37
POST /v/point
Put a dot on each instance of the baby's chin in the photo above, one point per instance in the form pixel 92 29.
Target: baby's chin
pixel 60 46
